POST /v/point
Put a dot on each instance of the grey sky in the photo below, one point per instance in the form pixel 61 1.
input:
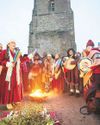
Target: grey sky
pixel 15 16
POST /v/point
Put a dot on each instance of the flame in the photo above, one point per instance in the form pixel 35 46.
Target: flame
pixel 38 93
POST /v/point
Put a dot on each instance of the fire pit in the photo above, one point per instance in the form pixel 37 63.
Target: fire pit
pixel 38 96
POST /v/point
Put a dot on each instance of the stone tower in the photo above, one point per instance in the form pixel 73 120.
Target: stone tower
pixel 52 27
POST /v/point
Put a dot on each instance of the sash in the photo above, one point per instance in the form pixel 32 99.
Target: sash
pixel 86 77
pixel 9 71
pixel 18 71
pixel 17 59
pixel 10 68
pixel 57 65
pixel 1 67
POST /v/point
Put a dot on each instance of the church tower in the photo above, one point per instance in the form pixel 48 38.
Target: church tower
pixel 52 27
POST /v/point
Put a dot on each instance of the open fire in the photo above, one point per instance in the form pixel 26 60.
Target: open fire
pixel 38 96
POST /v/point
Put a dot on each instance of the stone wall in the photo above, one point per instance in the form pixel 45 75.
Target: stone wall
pixel 53 22
pixel 52 31
pixel 53 42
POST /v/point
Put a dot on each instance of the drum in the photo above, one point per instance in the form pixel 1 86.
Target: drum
pixel 84 64
pixel 68 63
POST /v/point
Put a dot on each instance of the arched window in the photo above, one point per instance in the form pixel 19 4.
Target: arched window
pixel 51 5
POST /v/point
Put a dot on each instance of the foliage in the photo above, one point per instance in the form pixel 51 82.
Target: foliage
pixel 33 115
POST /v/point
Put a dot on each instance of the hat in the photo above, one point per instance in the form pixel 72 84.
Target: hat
pixel 89 43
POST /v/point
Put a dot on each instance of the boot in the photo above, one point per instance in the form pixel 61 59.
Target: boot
pixel 71 92
pixel 77 93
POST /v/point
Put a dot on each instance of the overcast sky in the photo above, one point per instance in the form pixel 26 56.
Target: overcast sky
pixel 15 16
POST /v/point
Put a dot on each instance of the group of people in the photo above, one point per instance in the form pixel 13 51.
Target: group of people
pixel 48 73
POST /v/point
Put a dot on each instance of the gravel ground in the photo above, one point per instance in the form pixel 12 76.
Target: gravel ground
pixel 68 110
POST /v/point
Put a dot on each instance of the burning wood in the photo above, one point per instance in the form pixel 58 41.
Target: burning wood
pixel 38 96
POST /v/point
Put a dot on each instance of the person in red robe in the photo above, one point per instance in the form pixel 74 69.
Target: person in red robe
pixel 85 54
pixel 11 76
pixel 94 78
pixel 25 71
pixel 1 48
pixel 35 74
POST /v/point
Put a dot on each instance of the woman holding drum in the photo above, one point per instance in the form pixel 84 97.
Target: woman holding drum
pixel 72 73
